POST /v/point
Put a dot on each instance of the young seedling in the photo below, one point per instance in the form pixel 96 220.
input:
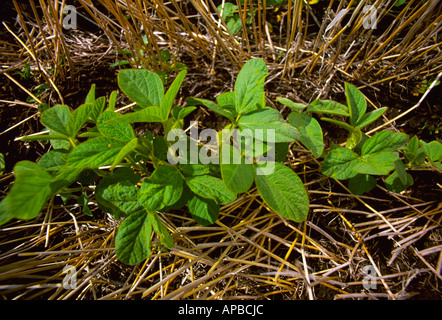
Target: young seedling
pixel 96 157
pixel 363 157
pixel 277 184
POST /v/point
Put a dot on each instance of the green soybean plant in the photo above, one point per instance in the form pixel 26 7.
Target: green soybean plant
pixel 245 108
pixel 363 157
pixel 95 144
pixel 229 13
pixel 96 157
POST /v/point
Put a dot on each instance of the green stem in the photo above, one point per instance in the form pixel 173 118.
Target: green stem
pixel 72 142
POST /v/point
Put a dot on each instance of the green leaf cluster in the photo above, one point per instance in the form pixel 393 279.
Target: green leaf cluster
pixel 96 156
pixel 230 14
pixel 279 186
pixel 363 157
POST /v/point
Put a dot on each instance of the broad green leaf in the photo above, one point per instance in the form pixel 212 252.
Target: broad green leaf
pixel 211 188
pixel 169 97
pixel 26 165
pixel 234 24
pixel 165 174
pixel 161 230
pixel 237 173
pixel 228 10
pixel 132 243
pixel 95 153
pixel 87 111
pixel 180 113
pixel 5 214
pixel 379 163
pixel 310 130
pixel 354 137
pixel 83 203
pixel 120 131
pixel 230 15
pixel 356 102
pixel 212 106
pixel 438 165
pixel 328 107
pixel 249 85
pixel 204 211
pixel 163 188
pixel 369 117
pixel 361 183
pixel 31 174
pixel 412 148
pixel 124 196
pixel 97 108
pixel 77 119
pixel 90 98
pixel 58 143
pixel 184 112
pixel 33 187
pixel 149 114
pixel 257 150
pixel 238 177
pixel 142 86
pixel 53 160
pixel 295 106
pixel 384 140
pixel 419 160
pixel 151 195
pixel 261 102
pixel 30 191
pixel 339 163
pixel 394 183
pixel 400 169
pixel 125 175
pixel 182 201
pixel 112 101
pixel 433 150
pixel 281 150
pixel 284 193
pixel 128 148
pixel 160 147
pixel 226 100
pixel 56 118
pixel 268 119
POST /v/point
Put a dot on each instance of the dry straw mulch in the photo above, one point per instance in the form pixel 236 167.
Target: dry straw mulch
pixel 377 246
